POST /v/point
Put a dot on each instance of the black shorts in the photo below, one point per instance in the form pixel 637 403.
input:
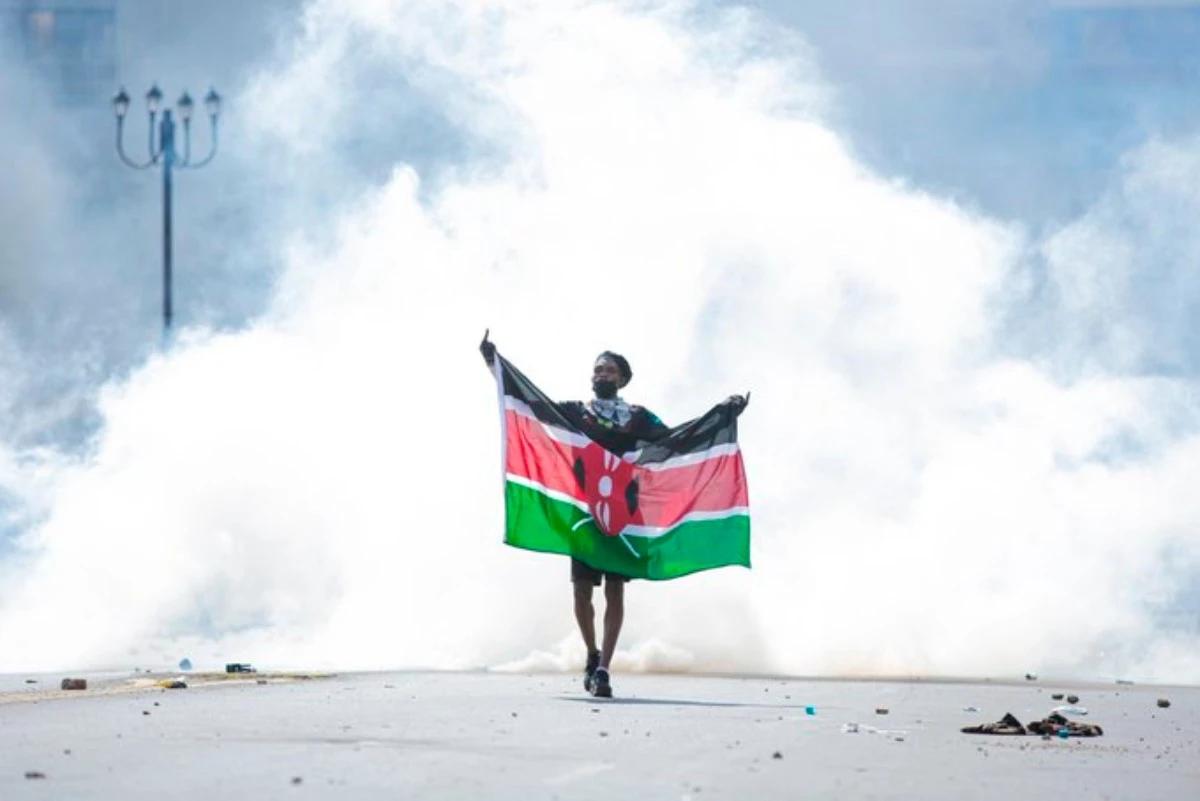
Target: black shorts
pixel 583 572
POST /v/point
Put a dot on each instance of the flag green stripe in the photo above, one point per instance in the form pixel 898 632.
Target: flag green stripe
pixel 538 522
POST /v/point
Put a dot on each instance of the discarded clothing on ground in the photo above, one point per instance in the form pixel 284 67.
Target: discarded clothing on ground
pixel 1053 724
pixel 1006 725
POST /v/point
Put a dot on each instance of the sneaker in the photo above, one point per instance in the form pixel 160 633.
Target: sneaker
pixel 602 688
pixel 589 671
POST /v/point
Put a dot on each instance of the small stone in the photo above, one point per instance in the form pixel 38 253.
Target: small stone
pixel 1030 677
pixel 34 774
pixel 67 751
pixel 1163 703
pixel 1056 697
pixel 603 734
pixel 74 684
pixel 297 780
pixel 1072 699
pixel 881 710
pixel 31 681
pixel 777 755
pixel 145 711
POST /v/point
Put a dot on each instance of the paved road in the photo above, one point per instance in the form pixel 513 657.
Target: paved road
pixel 477 735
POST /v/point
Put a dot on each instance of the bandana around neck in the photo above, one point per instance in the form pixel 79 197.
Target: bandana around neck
pixel 615 410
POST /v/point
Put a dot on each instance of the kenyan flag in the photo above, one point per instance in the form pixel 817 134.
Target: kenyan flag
pixel 676 506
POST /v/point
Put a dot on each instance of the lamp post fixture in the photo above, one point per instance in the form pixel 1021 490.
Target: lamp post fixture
pixel 164 152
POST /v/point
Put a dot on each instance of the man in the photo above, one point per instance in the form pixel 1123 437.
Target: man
pixel 617 426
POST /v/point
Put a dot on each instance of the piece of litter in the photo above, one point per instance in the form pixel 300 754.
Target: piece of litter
pixel 74 684
pixel 881 710
pixel 810 710
pixel 1069 710
pixel 1030 677
pixel 1056 697
pixel 173 684
pixel 185 664
pixel 970 709
pixel 860 728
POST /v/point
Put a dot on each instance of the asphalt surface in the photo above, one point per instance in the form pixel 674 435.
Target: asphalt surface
pixel 497 736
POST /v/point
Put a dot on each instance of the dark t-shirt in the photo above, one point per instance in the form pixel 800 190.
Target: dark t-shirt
pixel 642 426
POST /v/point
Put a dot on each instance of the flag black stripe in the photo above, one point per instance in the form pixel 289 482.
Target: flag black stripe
pixel 717 426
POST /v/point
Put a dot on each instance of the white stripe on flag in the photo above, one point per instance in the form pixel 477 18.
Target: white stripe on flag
pixel 549 493
pixel 554 432
pixel 686 459
pixel 651 532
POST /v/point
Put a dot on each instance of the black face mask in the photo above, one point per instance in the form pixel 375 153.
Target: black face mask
pixel 604 388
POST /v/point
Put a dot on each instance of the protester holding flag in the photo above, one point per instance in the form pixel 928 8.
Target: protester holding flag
pixel 582 477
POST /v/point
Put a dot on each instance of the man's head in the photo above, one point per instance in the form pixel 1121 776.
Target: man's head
pixel 610 373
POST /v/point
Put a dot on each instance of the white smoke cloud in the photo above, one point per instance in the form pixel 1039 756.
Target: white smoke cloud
pixel 322 489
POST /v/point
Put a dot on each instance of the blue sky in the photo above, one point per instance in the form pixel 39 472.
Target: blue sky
pixel 1021 107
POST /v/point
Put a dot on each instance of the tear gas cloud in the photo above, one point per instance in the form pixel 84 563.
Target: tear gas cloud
pixel 971 440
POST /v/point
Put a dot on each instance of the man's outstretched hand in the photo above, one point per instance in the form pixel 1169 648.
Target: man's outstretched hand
pixel 487 349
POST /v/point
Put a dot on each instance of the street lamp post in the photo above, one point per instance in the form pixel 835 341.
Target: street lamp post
pixel 164 152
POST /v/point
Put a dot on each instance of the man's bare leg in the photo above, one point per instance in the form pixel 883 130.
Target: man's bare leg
pixel 585 614
pixel 614 616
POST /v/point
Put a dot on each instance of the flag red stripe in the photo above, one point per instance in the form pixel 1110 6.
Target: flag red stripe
pixel 712 485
